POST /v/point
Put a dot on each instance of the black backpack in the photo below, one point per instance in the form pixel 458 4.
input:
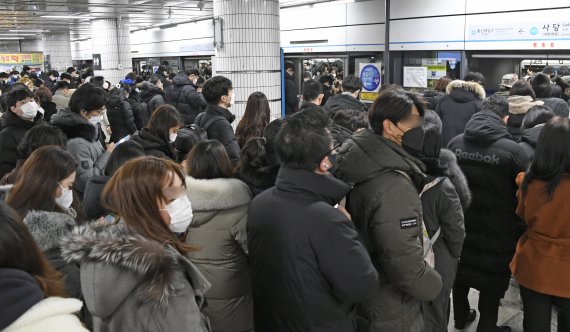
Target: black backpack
pixel 208 123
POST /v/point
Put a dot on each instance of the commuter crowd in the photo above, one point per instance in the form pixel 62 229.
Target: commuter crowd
pixel 138 207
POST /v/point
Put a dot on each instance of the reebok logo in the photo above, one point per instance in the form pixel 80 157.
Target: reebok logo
pixel 476 156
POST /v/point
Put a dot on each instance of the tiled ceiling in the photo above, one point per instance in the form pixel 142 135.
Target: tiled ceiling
pixel 28 19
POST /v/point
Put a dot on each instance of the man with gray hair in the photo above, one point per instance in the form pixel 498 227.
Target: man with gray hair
pixel 491 162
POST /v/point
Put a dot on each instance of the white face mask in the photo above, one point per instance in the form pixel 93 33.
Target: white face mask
pixel 29 110
pixel 172 137
pixel 95 120
pixel 180 212
pixel 66 198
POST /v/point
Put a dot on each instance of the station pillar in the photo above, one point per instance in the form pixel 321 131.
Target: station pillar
pixel 111 44
pixel 250 52
pixel 57 49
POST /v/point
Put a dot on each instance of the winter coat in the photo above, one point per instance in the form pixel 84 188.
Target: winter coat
pixel 491 161
pixel 14 128
pixel 50 108
pixel 557 105
pixel 343 101
pixel 387 212
pixel 221 130
pixel 140 110
pixel 541 259
pixel 48 83
pixel 455 175
pixel 218 228
pixel 83 143
pixel 120 116
pixel 154 145
pixel 12 176
pixel 308 266
pixel 529 138
pixel 152 96
pixel 340 134
pixel 186 99
pixel 50 314
pixel 463 99
pixel 259 179
pixel 132 283
pixel 92 197
pixel 291 100
pixel 518 107
pixel 60 100
pixel 432 98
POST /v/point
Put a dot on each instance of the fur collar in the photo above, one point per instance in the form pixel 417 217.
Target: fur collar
pixel 474 87
pixel 48 228
pixel 74 125
pixel 456 177
pixel 521 104
pixel 217 194
pixel 154 263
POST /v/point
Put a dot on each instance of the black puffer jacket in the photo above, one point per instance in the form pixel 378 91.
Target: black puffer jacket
pixel 152 96
pixel 221 130
pixel 140 110
pixel 557 105
pixel 259 179
pixel 323 269
pixel 340 134
pixel 92 197
pixel 342 101
pixel 491 162
pixel 154 145
pixel 387 212
pixel 432 98
pixel 120 115
pixel 13 131
pixel 185 98
pixel 529 138
pixel 291 100
pixel 463 99
pixel 50 108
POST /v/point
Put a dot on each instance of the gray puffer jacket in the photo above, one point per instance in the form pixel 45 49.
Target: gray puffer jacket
pixel 83 144
pixel 387 212
pixel 132 283
pixel 218 228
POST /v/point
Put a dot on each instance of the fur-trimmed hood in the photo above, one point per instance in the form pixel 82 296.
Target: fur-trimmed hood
pixel 209 196
pixel 129 262
pixel 74 125
pixel 456 177
pixel 48 228
pixel 521 104
pixel 456 89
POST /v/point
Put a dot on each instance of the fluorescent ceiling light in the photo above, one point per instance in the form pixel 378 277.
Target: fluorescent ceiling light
pixel 78 17
pixel 35 30
pixel 152 29
pixel 11 38
pixel 16 34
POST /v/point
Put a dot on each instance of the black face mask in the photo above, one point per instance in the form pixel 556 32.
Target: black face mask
pixel 413 140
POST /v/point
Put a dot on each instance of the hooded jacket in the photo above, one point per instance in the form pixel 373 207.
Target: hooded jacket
pixel 83 143
pixel 152 96
pixel 307 264
pixel 529 138
pixel 24 309
pixel 221 130
pixel 491 161
pixel 120 115
pixel 387 212
pixel 557 105
pixel 185 98
pixel 342 101
pixel 154 145
pixel 13 131
pixel 131 283
pixel 218 228
pixel 340 134
pixel 518 107
pixel 463 99
pixel 432 98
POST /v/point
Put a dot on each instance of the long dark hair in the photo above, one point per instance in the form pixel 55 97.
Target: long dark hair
pixel 162 119
pixel 552 156
pixel 39 178
pixel 18 250
pixel 209 160
pixel 255 118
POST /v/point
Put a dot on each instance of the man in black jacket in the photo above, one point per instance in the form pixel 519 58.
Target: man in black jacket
pixel 491 162
pixel 216 120
pixel 184 96
pixel 308 266
pixel 348 99
pixel 291 100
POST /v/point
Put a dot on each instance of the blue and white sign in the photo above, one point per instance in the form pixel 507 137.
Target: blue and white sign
pixel 370 77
